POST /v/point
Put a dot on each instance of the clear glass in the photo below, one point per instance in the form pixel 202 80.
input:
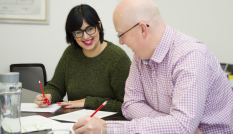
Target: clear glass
pixel 113 128
pixel 60 132
pixel 89 30
pixel 10 98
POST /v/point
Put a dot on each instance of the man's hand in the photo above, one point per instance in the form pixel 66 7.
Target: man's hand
pixel 198 131
pixel 88 125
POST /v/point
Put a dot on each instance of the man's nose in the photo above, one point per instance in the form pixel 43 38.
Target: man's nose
pixel 121 42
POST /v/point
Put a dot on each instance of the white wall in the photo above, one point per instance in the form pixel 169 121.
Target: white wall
pixel 21 43
pixel 209 21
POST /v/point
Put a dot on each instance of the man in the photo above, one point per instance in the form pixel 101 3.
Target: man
pixel 175 84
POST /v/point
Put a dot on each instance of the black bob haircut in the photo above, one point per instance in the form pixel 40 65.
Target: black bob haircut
pixel 75 19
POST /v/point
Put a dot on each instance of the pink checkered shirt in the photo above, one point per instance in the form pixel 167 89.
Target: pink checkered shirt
pixel 180 88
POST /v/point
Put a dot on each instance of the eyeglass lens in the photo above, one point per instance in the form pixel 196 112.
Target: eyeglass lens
pixel 89 30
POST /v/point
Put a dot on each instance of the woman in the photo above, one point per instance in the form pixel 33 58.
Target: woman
pixel 91 70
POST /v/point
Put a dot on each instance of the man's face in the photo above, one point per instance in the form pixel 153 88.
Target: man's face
pixel 131 37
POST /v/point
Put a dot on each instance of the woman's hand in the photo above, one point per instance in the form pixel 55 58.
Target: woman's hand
pixel 42 101
pixel 73 104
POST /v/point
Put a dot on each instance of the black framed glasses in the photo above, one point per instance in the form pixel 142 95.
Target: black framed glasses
pixel 120 36
pixel 89 30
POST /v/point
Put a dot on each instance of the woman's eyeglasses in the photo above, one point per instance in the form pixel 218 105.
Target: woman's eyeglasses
pixel 89 30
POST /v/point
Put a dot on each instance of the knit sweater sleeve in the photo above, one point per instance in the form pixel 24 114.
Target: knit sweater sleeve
pixel 118 78
pixel 56 87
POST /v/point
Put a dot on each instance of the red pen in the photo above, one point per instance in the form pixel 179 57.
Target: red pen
pixel 47 101
pixel 41 89
pixel 99 108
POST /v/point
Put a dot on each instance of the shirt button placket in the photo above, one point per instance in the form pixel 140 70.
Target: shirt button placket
pixel 155 81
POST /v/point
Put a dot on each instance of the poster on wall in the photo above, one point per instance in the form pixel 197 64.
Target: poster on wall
pixel 24 11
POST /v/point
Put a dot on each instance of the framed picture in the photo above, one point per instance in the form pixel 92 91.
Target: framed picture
pixel 24 11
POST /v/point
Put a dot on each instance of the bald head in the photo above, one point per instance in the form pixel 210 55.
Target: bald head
pixel 143 17
pixel 130 12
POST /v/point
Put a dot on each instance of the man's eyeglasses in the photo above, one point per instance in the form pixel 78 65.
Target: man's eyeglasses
pixel 89 30
pixel 119 36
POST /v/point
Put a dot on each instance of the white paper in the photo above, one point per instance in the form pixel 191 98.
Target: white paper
pixel 63 126
pixel 74 116
pixel 36 123
pixel 7 112
pixel 11 125
pixel 32 107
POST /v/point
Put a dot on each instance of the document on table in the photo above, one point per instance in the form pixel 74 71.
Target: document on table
pixel 32 107
pixel 63 126
pixel 74 116
pixel 36 123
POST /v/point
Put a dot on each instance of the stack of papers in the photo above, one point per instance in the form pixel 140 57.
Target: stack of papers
pixel 32 107
pixel 36 123
pixel 63 126
pixel 74 116
pixel 39 123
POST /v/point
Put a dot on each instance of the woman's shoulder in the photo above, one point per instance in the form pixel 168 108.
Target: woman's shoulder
pixel 70 49
pixel 115 50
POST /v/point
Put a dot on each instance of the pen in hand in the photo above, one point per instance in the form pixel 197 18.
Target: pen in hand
pixel 47 101
pixel 99 108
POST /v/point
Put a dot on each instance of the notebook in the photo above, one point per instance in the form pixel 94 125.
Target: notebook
pixel 32 107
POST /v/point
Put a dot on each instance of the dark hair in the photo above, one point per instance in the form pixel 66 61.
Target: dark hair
pixel 75 19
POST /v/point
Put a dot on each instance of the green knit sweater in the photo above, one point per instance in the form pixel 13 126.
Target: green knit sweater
pixel 96 79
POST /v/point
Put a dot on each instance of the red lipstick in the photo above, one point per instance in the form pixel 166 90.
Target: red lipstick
pixel 88 43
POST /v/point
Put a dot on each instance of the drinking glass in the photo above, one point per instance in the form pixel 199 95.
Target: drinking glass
pixel 60 132
pixel 10 110
pixel 113 128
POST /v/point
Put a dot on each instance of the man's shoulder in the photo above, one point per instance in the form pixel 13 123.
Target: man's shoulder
pixel 184 44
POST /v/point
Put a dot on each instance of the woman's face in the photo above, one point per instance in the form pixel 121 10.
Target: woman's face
pixel 88 42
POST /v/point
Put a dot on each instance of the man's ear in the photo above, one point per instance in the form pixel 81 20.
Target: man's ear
pixel 144 29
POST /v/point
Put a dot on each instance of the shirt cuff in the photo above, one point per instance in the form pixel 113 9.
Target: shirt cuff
pixel 128 128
